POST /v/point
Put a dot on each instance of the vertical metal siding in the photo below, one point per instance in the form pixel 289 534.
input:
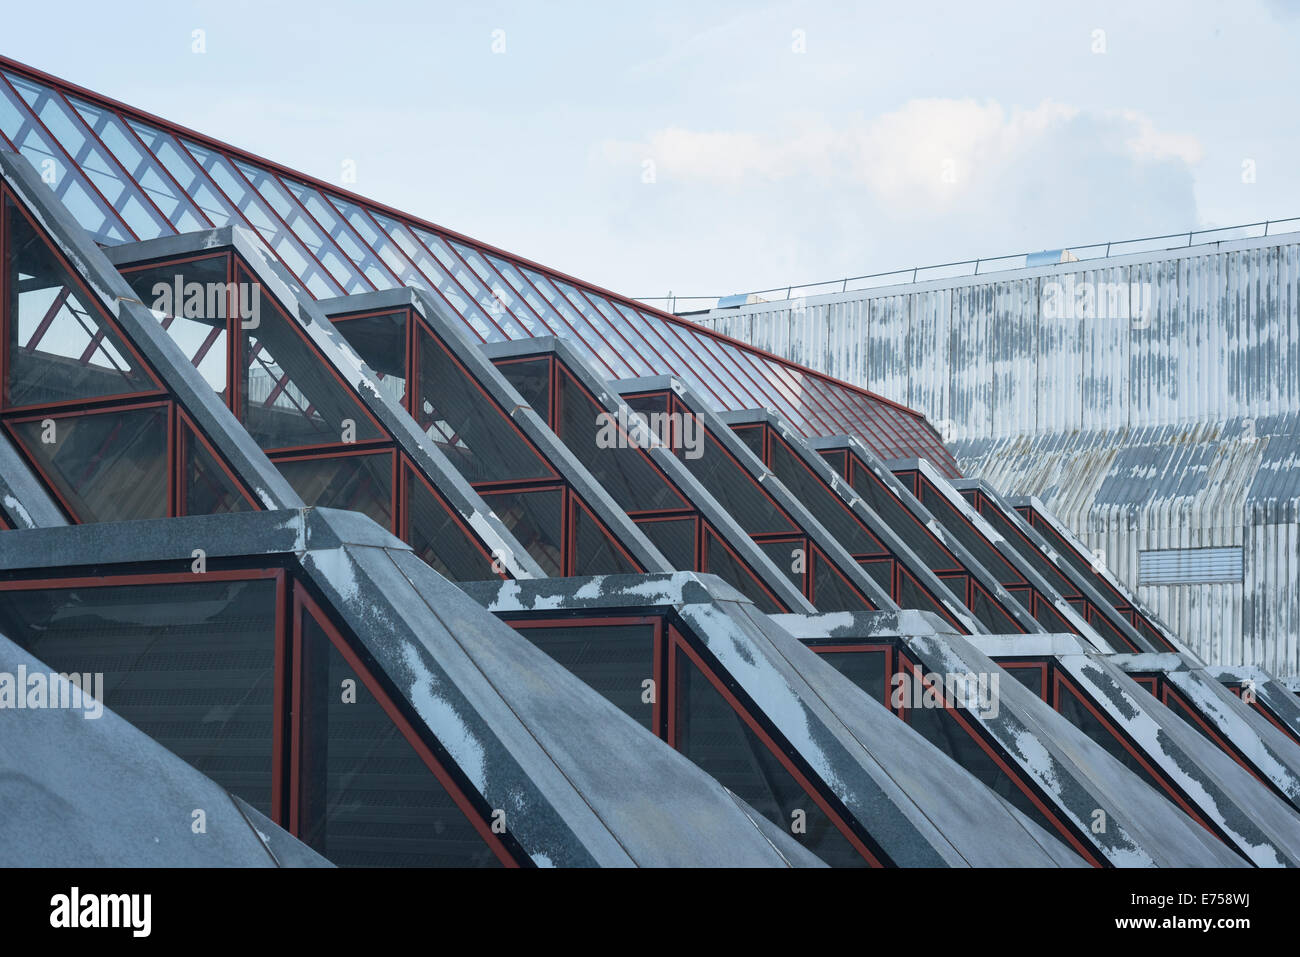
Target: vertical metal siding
pixel 1176 429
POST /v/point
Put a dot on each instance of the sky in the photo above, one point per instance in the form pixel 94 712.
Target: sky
pixel 708 148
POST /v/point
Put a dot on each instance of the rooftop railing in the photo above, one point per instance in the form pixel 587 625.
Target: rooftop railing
pixel 989 264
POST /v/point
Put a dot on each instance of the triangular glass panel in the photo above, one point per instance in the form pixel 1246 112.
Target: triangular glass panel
pixel 207 487
pixel 467 424
pixel 367 797
pixel 289 395
pixel 437 537
pixel 61 345
pixel 106 466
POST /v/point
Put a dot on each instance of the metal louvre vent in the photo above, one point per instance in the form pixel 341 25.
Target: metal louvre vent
pixel 1189 566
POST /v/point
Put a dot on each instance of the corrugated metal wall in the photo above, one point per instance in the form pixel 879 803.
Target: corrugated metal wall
pixel 1169 420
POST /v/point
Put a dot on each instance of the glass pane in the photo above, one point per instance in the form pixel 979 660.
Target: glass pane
pixel 467 424
pixel 109 466
pixel 537 521
pixel 736 491
pixel 1079 715
pixel 869 670
pixel 791 557
pixel 716 738
pixel 360 483
pixel 752 436
pixel 532 380
pixel 675 538
pixel 595 552
pixel 831 592
pixel 721 562
pixel 1030 677
pixel 613 659
pixel 207 488
pixel 381 343
pixel 970 538
pixel 368 798
pixel 940 728
pixel 194 300
pixel 826 506
pixel 289 395
pixel 61 347
pixel 597 439
pixel 437 538
pixel 189 664
pixel 884 503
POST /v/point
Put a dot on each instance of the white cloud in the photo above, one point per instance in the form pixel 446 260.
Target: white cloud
pixel 926 156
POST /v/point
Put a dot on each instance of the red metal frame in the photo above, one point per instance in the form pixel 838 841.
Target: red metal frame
pixel 304 604
pixel 888 651
pixel 818 392
pixel 677 641
pixel 1061 685
pixel 191 578
pixel 1176 702
pixel 102 316
pixel 659 648
pixel 906 666
pixel 408 471
pixel 980 502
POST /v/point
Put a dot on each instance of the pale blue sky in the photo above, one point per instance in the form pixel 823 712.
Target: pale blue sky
pixel 904 133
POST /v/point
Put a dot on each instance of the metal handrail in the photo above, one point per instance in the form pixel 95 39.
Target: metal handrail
pixel 916 271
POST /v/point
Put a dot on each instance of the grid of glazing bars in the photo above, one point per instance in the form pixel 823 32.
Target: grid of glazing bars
pixel 127 175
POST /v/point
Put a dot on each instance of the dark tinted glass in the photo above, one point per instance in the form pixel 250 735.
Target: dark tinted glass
pixel 831 592
pixel 60 347
pixel 824 503
pixel 537 521
pixel 532 380
pixel 719 561
pixel 437 538
pixel 207 488
pixel 1073 708
pixel 881 572
pixel 467 425
pixel 736 491
pixel 964 532
pixel 595 552
pixel 716 738
pixel 1040 563
pixel 991 613
pixel 940 728
pixel 359 483
pixel 109 466
pixel 675 538
pixel 1031 678
pixel 869 670
pixel 190 664
pixel 594 437
pixel 912 595
pixel 380 341
pixel 752 436
pixel 882 501
pixel 615 660
pixel 791 557
pixel 368 798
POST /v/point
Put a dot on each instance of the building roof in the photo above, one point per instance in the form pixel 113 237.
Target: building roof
pixel 131 176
